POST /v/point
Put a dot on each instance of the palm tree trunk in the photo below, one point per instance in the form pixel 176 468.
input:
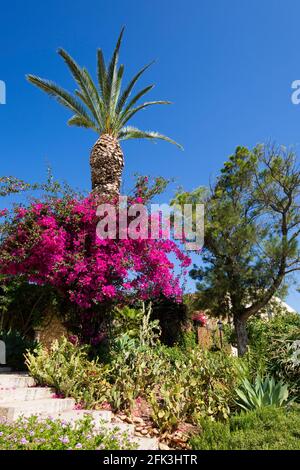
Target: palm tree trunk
pixel 107 162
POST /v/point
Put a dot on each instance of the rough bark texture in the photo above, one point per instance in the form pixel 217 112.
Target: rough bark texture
pixel 241 334
pixel 52 329
pixel 107 164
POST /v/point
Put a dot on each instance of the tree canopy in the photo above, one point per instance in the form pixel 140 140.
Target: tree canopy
pixel 252 227
pixel 104 106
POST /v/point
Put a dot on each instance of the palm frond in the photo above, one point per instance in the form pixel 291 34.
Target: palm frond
pixel 119 81
pixel 136 98
pixel 112 73
pixel 61 95
pixel 117 89
pixel 115 116
pixel 81 79
pixel 134 133
pixel 94 97
pixel 133 111
pixel 102 75
pixel 120 117
pixel 126 93
pixel 104 108
pixel 81 121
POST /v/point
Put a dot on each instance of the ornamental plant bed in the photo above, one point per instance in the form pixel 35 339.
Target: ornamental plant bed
pixel 144 427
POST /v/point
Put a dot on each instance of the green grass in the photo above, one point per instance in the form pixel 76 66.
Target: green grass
pixel 269 428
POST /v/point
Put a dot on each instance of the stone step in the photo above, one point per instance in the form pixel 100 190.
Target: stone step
pixel 14 409
pixel 24 393
pixel 5 370
pixel 16 379
pixel 143 443
pixel 121 427
pixel 20 397
pixel 100 417
pixel 146 443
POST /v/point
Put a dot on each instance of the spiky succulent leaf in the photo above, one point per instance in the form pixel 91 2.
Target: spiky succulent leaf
pixel 262 393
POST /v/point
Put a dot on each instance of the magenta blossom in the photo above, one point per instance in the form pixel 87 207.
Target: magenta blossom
pixel 200 317
pixel 56 244
pixel 73 339
pixel 3 212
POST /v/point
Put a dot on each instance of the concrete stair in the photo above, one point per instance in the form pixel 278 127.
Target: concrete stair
pixel 19 396
pixel 101 418
pixel 146 443
pixel 18 379
pixel 12 410
pixel 25 393
pixel 121 427
pixel 4 369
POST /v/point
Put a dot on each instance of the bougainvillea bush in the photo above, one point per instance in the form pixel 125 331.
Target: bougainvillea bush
pixel 54 242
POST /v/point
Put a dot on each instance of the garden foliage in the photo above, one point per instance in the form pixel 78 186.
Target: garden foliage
pixel 55 243
pixel 16 346
pixel 54 434
pixel 268 428
pixel 178 385
pixel 68 370
pixel 264 392
pixel 275 348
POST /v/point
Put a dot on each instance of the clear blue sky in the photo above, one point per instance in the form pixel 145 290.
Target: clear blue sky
pixel 227 65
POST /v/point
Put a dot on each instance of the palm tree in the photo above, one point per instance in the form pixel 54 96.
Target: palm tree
pixel 106 109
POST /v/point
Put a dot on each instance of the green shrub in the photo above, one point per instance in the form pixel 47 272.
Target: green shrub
pixel 133 371
pixel 284 361
pixel 16 347
pixel 188 340
pixel 273 347
pixel 261 332
pixel 35 434
pixel 169 405
pixel 66 367
pixel 128 320
pixel 179 385
pixel 262 393
pixel 24 306
pixel 194 384
pixel 134 364
pixel 173 354
pixel 268 428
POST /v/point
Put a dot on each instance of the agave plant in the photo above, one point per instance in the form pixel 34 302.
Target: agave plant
pixel 264 392
pixel 105 108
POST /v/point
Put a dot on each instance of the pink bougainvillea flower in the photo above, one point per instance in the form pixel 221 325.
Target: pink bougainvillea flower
pixel 56 244
pixel 200 318
pixel 3 212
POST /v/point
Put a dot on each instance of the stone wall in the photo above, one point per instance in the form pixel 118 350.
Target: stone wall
pixel 51 329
